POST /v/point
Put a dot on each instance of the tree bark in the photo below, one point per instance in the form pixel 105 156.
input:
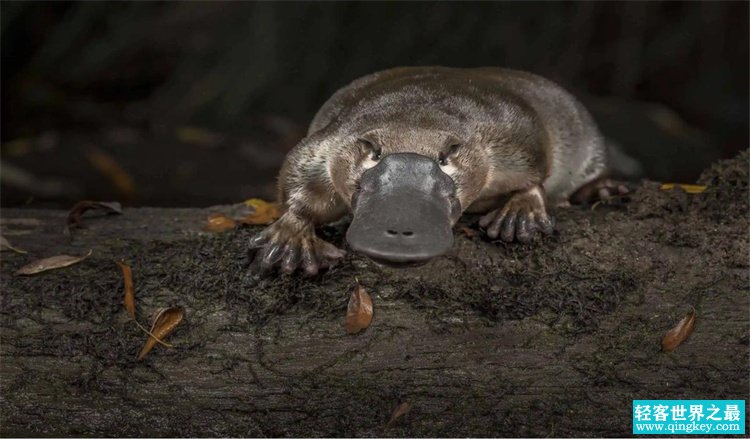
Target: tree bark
pixel 552 338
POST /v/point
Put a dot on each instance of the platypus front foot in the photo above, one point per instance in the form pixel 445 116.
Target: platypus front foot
pixel 290 244
pixel 520 219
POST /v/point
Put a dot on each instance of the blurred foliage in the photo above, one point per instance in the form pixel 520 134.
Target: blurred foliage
pixel 219 62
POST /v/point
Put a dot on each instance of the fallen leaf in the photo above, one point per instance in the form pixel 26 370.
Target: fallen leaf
pixel 6 245
pixel 74 216
pixel 470 233
pixel 197 136
pixel 400 411
pixel 51 263
pixel 263 212
pixel 677 335
pixel 689 188
pixel 218 222
pixel 164 323
pixel 129 298
pixel 359 310
pixel 106 164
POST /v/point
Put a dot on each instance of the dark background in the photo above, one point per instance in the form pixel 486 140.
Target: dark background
pixel 197 103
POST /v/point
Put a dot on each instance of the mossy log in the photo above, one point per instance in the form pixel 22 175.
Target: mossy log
pixel 551 338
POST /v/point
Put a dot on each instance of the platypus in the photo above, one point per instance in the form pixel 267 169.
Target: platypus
pixel 408 150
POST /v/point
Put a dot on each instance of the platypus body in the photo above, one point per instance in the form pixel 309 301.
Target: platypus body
pixel 408 150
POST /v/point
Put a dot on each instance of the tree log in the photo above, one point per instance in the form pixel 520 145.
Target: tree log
pixel 551 338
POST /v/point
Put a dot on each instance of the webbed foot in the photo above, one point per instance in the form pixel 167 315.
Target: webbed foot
pixel 523 216
pixel 290 244
pixel 602 189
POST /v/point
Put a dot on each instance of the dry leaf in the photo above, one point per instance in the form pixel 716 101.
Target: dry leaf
pixel 129 298
pixel 218 222
pixel 164 323
pixel 74 216
pixel 6 245
pixel 106 164
pixel 400 411
pixel 359 310
pixel 263 212
pixel 689 188
pixel 677 335
pixel 51 263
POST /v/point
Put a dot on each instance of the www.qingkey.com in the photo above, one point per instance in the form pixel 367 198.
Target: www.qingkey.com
pixel 688 428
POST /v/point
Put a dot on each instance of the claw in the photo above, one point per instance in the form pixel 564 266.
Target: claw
pixel 520 219
pixel 291 259
pixel 494 226
pixel 271 255
pixel 546 225
pixel 289 247
pixel 508 227
pixel 309 263
pixel 524 228
pixel 485 220
pixel 330 251
pixel 603 189
pixel 257 241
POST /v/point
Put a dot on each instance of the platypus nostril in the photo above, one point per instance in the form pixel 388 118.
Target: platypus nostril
pixel 391 232
pixel 407 233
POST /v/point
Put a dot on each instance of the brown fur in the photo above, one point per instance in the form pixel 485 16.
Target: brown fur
pixel 518 134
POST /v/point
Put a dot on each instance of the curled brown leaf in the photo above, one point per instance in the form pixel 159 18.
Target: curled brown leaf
pixel 128 300
pixel 164 323
pixel 218 222
pixel 400 411
pixel 6 245
pixel 677 335
pixel 51 263
pixel 263 212
pixel 74 216
pixel 358 311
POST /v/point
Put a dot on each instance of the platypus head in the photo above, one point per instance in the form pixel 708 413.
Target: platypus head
pixel 404 211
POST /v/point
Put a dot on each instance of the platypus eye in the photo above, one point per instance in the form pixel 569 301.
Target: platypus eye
pixel 377 152
pixel 443 156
